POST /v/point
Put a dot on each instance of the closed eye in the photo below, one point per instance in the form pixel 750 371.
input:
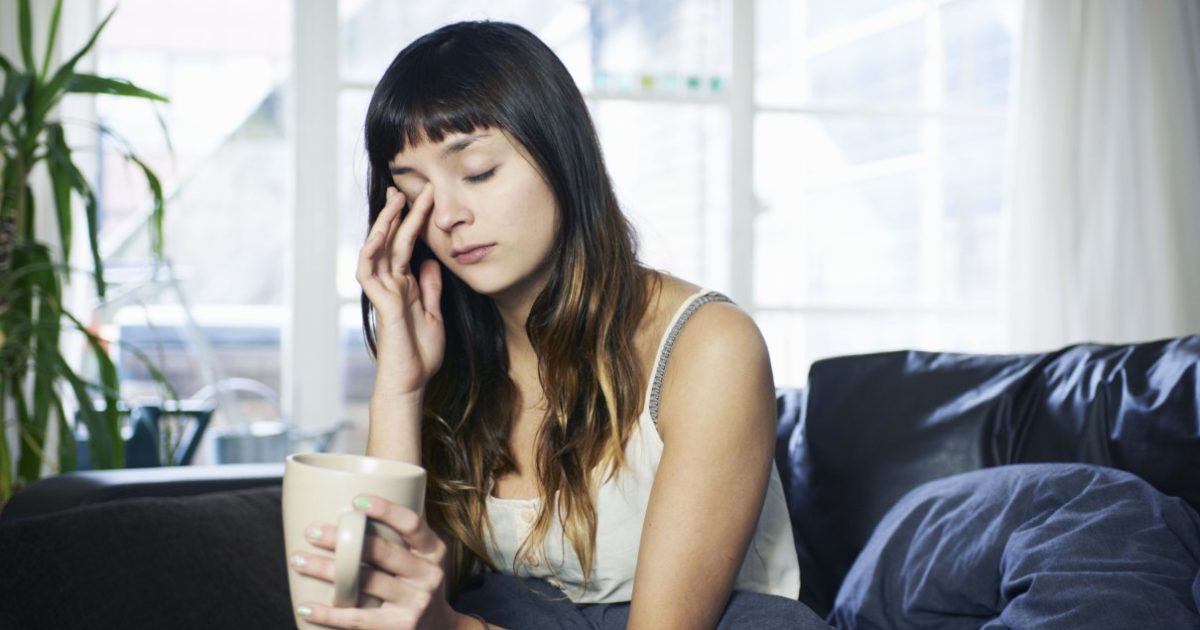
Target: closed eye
pixel 475 179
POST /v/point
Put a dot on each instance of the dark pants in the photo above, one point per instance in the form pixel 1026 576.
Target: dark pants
pixel 531 603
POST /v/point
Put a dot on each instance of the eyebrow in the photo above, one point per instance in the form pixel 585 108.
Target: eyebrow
pixel 454 147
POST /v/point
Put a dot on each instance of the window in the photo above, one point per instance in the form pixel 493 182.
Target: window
pixel 865 215
pixel 225 67
pixel 878 162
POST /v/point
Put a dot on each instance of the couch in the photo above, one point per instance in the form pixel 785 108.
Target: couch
pixel 872 452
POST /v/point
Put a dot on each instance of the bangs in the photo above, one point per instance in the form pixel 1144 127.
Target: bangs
pixel 440 95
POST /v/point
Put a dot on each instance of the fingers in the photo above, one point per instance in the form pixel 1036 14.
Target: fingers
pixel 377 244
pixel 331 617
pixel 385 221
pixel 357 617
pixel 385 554
pixel 431 288
pixel 411 526
pixel 410 228
pixel 387 587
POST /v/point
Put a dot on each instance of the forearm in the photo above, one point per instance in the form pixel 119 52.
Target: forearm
pixel 395 425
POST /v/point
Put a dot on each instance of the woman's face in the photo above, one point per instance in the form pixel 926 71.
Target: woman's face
pixel 494 218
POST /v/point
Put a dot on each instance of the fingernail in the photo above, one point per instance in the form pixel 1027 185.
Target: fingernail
pixel 315 532
pixel 362 504
pixel 303 611
pixel 299 561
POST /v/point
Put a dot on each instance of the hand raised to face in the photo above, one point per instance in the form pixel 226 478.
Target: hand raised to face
pixel 410 334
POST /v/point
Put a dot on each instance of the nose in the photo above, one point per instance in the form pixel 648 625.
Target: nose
pixel 448 209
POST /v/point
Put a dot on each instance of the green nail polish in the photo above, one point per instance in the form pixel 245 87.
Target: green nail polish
pixel 362 503
pixel 303 611
pixel 315 533
pixel 299 561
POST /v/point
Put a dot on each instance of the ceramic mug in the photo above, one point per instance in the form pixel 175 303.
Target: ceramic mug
pixel 320 488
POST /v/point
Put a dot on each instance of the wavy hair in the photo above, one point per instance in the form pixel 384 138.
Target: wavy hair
pixel 475 75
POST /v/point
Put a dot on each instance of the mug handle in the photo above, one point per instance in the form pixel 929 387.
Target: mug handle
pixel 347 558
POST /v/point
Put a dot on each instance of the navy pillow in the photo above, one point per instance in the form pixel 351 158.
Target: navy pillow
pixel 1029 546
pixel 876 426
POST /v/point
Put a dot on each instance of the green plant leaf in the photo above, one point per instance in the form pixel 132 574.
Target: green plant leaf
pixel 8 283
pixel 46 335
pixel 61 157
pixel 109 387
pixel 104 438
pixel 58 158
pixel 21 310
pixel 80 83
pixel 25 32
pixel 54 21
pixel 25 213
pixel 16 86
pixel 6 470
pixel 162 125
pixel 29 460
pixel 156 194
pixel 92 207
pixel 66 440
pixel 55 86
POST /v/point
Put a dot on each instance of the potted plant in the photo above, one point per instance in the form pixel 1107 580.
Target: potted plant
pixel 34 372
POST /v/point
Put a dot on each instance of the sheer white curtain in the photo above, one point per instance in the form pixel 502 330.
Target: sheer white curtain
pixel 1104 173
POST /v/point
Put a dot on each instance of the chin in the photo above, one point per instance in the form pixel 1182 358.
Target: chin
pixel 485 283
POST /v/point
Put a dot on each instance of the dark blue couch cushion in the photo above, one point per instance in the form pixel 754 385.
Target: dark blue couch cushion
pixel 1028 546
pixel 876 426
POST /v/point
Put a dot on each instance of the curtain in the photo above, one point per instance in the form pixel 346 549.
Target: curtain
pixel 1103 180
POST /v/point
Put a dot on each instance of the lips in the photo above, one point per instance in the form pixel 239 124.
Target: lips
pixel 472 253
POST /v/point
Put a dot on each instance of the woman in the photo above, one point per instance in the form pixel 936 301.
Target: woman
pixel 522 360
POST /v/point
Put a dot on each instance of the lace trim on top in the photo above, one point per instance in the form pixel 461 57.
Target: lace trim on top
pixel 660 366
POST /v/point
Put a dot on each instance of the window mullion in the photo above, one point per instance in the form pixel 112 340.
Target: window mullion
pixel 744 205
pixel 311 381
pixel 932 214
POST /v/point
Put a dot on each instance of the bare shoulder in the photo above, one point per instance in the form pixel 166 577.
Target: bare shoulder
pixel 718 360
pixel 714 329
pixel 719 334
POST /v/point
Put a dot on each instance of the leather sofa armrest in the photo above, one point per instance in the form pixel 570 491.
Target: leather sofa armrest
pixel 70 490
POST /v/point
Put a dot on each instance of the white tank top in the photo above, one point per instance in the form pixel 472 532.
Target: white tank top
pixel 771 565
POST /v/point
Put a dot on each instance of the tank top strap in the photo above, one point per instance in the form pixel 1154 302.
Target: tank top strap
pixel 682 315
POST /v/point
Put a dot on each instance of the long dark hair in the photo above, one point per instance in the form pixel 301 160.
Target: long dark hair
pixel 474 75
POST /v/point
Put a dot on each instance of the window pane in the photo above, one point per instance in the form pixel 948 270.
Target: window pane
pixel 796 340
pixel 825 16
pixel 978 37
pixel 373 31
pixel 873 52
pixel 670 164
pixel 669 45
pixel 841 210
pixel 358 378
pixel 673 46
pixel 224 68
pixel 352 188
pixel 856 53
pixel 972 160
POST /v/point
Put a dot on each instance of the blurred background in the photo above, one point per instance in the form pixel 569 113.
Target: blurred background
pixel 859 175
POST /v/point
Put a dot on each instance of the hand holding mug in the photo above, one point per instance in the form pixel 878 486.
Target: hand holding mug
pixel 406 577
pixel 366 511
